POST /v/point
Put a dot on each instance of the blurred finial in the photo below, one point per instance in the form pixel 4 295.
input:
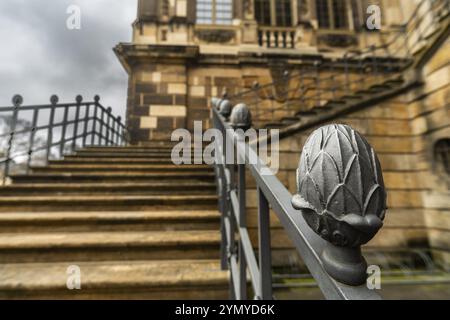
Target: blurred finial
pixel 54 99
pixel 17 100
pixel 241 117
pixel 79 98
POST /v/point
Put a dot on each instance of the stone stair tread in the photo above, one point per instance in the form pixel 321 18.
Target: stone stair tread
pixel 105 185
pixel 112 174
pixel 106 216
pixel 112 274
pixel 101 198
pixel 115 239
pixel 114 166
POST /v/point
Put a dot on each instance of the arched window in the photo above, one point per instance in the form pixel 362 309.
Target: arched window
pixel 442 154
pixel 214 11
pixel 332 14
pixel 273 12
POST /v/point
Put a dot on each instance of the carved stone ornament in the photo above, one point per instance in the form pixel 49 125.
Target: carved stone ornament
pixel 341 194
pixel 215 36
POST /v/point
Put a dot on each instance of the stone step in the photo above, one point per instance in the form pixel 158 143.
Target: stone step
pixel 157 187
pixel 106 246
pixel 118 176
pixel 34 203
pixel 133 151
pixel 127 155
pixel 72 221
pixel 174 279
pixel 119 161
pixel 83 167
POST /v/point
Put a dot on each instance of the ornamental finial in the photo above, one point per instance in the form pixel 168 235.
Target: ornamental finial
pixel 341 194
pixel 241 117
pixel 225 108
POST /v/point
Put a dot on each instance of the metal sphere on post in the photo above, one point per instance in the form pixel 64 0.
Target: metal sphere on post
pixel 241 117
pixel 54 99
pixel 225 108
pixel 341 195
pixel 79 99
pixel 97 98
pixel 17 100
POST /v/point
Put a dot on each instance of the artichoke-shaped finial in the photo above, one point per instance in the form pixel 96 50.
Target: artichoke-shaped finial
pixel 225 108
pixel 96 98
pixel 241 117
pixel 341 193
pixel 79 98
pixel 54 99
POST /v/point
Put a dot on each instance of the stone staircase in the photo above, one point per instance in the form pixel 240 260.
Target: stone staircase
pixel 136 225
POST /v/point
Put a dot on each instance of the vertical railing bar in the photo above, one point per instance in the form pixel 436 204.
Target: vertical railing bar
pixel 63 131
pixel 265 259
pixel 54 100
pixel 31 140
pixel 242 224
pixel 86 122
pixel 75 125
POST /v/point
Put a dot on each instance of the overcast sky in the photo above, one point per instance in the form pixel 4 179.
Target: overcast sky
pixel 40 56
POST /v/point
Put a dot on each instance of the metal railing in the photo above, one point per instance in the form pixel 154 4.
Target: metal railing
pixel 325 80
pixel 55 129
pixel 332 253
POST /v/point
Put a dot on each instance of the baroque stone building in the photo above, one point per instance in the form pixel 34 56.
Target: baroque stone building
pixel 184 52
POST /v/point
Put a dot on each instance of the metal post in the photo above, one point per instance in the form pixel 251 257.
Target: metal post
pixel 17 101
pixel 86 122
pixel 242 224
pixel 53 100
pixel 63 131
pixel 265 259
pixel 94 120
pixel 78 99
pixel 118 122
pixel 108 126
pixel 102 124
pixel 31 140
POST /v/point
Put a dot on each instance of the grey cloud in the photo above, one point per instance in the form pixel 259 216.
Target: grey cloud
pixel 40 56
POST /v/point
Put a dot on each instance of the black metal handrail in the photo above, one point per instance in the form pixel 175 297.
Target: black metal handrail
pixel 237 252
pixel 77 124
pixel 370 66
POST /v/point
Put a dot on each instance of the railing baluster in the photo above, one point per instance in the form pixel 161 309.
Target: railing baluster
pixel 102 125
pixel 78 99
pixel 265 252
pixel 63 131
pixel 108 126
pixel 31 140
pixel 86 122
pixel 54 101
pixel 94 121
pixel 242 224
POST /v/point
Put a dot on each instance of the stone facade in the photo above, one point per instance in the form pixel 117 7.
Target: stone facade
pixel 176 66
